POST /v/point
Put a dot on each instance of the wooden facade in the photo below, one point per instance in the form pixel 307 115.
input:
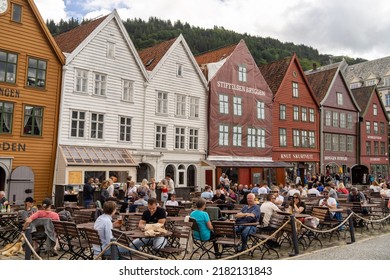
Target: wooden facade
pixel 30 90
pixel 373 132
pixel 295 118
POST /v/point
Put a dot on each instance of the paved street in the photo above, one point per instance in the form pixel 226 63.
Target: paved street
pixel 375 248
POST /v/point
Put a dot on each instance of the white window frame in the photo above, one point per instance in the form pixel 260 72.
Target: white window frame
pixel 349 143
pixel 376 128
pixel 376 148
pixel 328 142
pixel 282 111
pixel 237 136
pixel 349 121
pixel 304 139
pixel 223 135
pixel 242 73
pixel 194 107
pixel 335 142
pixel 368 127
pixel 312 139
pixel 340 100
pixel 295 90
pixel 370 82
pixel 387 99
pixel 78 120
pixel 128 90
pixel 81 83
pixel 180 136
pixel 237 106
pixel 355 85
pixel 304 114
pixel 375 109
pixel 342 143
pixel 160 136
pixel 162 103
pixel 97 126
pixel 181 104
pixel 311 115
pixel 328 118
pixel 251 137
pixel 223 104
pixel 386 81
pixel 343 120
pixel 296 138
pixel 282 137
pixel 125 126
pixel 260 138
pixel 260 110
pixel 335 119
pixel 296 113
pixel 100 81
pixel 193 139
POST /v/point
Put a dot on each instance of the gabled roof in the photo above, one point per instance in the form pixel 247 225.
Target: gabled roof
pixel 70 40
pixel 152 56
pixel 215 55
pixel 378 67
pixel 89 31
pixel 363 97
pixel 42 23
pixel 275 72
pixel 321 81
pixel 155 56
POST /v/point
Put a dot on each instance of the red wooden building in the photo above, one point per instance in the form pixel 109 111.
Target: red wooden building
pixel 295 117
pixel 240 118
pixel 373 134
pixel 339 120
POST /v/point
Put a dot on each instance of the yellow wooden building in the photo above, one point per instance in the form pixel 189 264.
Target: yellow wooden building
pixel 30 95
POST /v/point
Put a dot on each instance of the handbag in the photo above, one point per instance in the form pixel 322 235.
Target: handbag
pixel 246 220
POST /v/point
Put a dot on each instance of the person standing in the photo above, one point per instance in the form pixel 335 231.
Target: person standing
pixel 170 186
pixel 88 191
pixel 152 188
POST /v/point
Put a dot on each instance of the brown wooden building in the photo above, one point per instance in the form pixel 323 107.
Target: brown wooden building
pixel 373 135
pixel 338 124
pixel 30 87
pixel 240 118
pixel 295 118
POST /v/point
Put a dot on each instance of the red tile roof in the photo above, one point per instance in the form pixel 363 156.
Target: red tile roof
pixel 320 82
pixel 362 96
pixel 151 56
pixel 71 39
pixel 274 72
pixel 215 55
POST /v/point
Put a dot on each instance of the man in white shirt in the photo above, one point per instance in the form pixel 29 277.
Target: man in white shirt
pixel 171 185
pixel 268 208
pixel 293 191
pixel 263 189
pixel 207 194
pixel 328 201
pixel 110 188
pixel 313 190
pixel 172 201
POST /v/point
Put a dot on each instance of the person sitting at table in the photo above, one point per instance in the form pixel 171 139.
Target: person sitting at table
pixel 29 208
pixel 342 189
pixel 219 197
pixel 172 201
pixel 385 191
pixel 268 208
pixel 328 201
pixel 232 197
pixel 104 225
pixel 313 190
pixel 141 200
pixel 204 224
pixel 249 214
pixel 152 215
pixel 279 198
pixel 375 187
pixel 296 205
pixel 207 194
pixel 3 199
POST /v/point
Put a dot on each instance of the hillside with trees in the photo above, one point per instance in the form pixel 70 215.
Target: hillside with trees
pixel 264 50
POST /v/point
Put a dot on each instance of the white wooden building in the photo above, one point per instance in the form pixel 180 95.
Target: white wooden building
pixel 102 113
pixel 175 127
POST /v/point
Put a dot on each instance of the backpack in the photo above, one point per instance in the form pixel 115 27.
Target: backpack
pixel 65 216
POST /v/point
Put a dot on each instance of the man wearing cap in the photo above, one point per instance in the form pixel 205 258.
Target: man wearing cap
pixel 46 212
pixel 29 208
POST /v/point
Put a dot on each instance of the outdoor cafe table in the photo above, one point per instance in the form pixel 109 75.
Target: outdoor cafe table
pixel 146 240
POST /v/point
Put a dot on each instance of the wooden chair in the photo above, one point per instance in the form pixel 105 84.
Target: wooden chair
pixel 124 240
pixel 202 247
pixel 92 237
pixel 70 241
pixel 226 236
pixel 181 233
pixel 173 211
pixel 131 222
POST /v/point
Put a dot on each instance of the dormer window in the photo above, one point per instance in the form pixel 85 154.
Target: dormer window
pixel 370 82
pixel 110 50
pixel 386 81
pixel 355 85
pixel 375 109
pixel 339 98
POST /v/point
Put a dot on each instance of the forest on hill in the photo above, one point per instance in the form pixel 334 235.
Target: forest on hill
pixel 264 50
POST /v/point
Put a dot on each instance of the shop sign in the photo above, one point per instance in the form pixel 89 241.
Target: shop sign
pixel 9 92
pixel 334 158
pixel 14 147
pixel 296 156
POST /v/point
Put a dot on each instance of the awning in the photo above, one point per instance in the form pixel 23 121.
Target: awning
pixel 266 164
pixel 83 155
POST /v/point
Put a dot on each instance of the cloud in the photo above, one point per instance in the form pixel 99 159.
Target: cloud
pixel 348 27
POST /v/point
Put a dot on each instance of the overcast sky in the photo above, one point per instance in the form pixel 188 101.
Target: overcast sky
pixel 355 28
